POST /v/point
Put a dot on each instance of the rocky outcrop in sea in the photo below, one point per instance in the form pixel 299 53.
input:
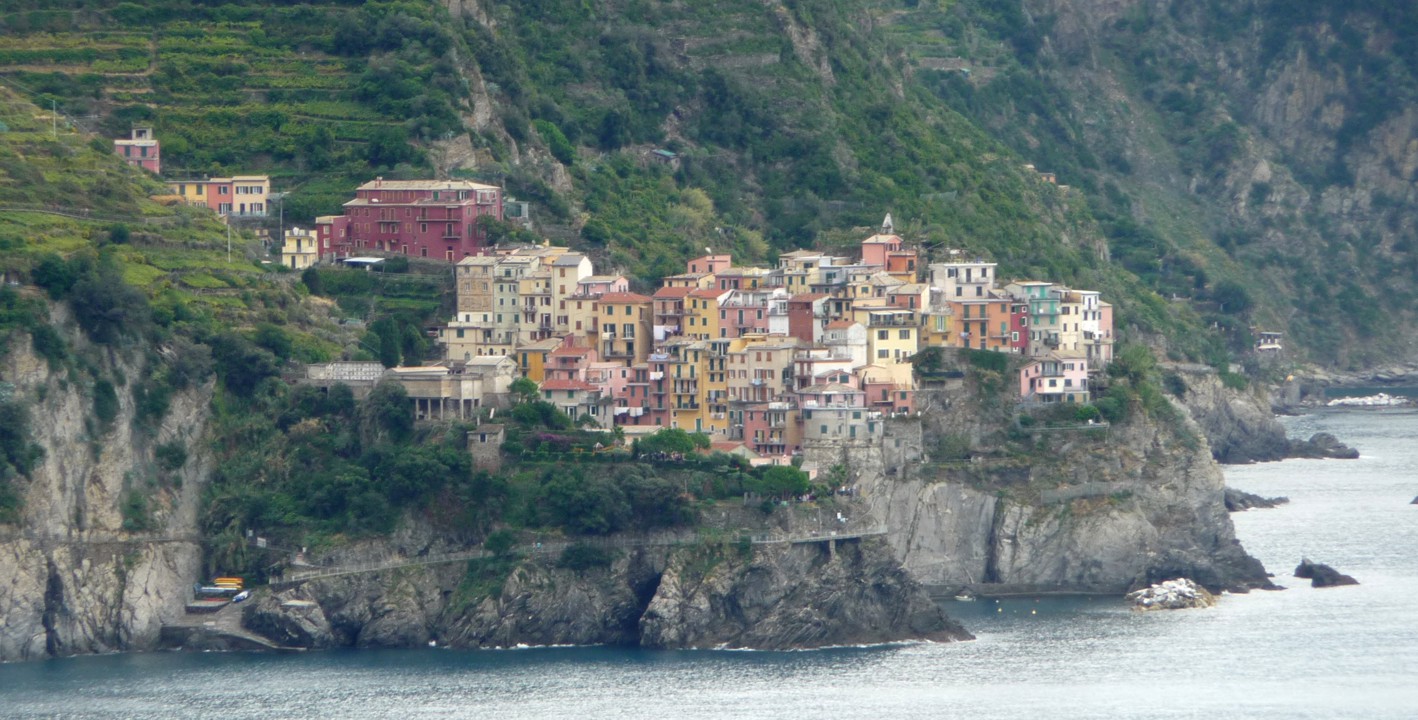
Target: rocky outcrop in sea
pixel 1321 575
pixel 1178 594
pixel 778 597
pixel 1240 500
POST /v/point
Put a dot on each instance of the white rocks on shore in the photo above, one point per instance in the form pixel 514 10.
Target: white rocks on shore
pixel 1171 595
pixel 1379 400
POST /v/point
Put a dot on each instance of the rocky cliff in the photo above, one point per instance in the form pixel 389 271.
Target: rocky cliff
pixel 1238 424
pixel 767 597
pixel 73 579
pixel 1070 508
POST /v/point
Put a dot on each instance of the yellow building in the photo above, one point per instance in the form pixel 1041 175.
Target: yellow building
pixel 532 358
pixel 624 325
pixel 300 249
pixel 685 373
pixel 892 335
pixel 701 313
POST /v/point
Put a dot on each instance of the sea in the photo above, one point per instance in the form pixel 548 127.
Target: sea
pixel 1346 652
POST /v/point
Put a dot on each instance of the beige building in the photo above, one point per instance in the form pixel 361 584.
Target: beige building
pixel 300 249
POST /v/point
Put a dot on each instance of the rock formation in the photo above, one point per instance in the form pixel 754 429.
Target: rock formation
pixel 75 580
pixel 768 597
pixel 1239 425
pixel 1321 575
pixel 1171 595
pixel 1322 445
pixel 1086 509
pixel 1240 500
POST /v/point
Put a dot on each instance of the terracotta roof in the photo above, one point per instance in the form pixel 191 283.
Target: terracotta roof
pixel 425 185
pixel 882 239
pixel 840 324
pixel 808 297
pixel 708 293
pixel 564 351
pixel 673 292
pixel 625 297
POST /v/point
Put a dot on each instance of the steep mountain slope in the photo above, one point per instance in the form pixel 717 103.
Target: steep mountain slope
pixel 794 123
pixel 1256 158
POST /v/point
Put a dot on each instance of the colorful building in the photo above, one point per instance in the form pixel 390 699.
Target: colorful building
pixel 239 196
pixel 421 218
pixel 300 249
pixel 140 149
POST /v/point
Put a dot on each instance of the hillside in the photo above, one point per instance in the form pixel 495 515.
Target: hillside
pixel 1254 158
pixel 794 124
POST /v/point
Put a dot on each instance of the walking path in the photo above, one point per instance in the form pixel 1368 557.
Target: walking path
pixel 557 547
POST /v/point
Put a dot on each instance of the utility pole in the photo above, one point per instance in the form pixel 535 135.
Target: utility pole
pixel 54 118
pixel 228 241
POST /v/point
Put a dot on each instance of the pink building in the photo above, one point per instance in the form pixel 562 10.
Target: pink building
pixel 883 391
pixel 594 286
pixel 423 218
pixel 140 150
pixel 569 362
pixel 1057 377
pixel 876 248
pixel 744 312
pixel 709 264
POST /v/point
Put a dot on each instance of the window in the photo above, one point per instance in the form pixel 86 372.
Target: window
pixel 904 334
pixel 882 334
pixel 883 354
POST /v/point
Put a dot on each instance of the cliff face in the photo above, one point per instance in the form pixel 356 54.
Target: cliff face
pixel 72 579
pixel 1089 509
pixel 780 597
pixel 1239 425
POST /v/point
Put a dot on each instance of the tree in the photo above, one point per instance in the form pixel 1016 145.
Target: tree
pixel 389 146
pixel 387 413
pixel 55 275
pixel 106 307
pixel 673 440
pixel 523 389
pixel 782 480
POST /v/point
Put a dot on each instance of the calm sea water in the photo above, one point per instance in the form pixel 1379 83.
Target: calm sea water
pixel 1302 653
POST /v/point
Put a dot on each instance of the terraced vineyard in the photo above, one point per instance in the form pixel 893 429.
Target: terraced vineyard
pixel 234 88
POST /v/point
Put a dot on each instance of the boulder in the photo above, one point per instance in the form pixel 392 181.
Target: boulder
pixel 288 619
pixel 1322 445
pixel 1239 500
pixel 1177 594
pixel 1321 575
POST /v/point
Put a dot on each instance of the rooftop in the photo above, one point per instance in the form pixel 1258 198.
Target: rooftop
pixel 381 184
pixel 625 297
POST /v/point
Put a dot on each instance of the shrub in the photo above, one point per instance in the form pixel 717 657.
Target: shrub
pixel 136 517
pixel 171 455
pixel 500 543
pixel 581 557
pixel 105 401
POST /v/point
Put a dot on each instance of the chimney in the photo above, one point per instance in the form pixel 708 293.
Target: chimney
pixel 379 181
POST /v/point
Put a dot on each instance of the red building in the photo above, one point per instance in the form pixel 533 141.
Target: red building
pixel 1019 327
pixel 423 218
pixel 807 315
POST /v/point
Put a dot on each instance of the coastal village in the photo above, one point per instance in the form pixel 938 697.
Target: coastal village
pixel 816 351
